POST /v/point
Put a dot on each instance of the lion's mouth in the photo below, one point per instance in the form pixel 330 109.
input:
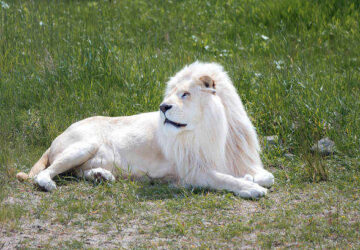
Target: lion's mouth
pixel 175 124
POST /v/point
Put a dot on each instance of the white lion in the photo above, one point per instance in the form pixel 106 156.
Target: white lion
pixel 201 137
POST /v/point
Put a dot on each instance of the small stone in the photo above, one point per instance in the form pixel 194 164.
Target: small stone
pixel 37 225
pixel 272 139
pixel 325 146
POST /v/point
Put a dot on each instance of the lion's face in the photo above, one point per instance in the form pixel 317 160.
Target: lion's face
pixel 184 105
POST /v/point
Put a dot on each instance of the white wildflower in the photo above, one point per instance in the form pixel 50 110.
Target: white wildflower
pixel 279 64
pixel 194 38
pixel 4 5
pixel 41 23
pixel 207 47
pixel 265 37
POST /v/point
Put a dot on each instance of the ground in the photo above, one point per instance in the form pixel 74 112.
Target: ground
pixel 153 214
pixel 295 63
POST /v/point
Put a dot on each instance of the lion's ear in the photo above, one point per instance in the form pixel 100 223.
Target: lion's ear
pixel 208 82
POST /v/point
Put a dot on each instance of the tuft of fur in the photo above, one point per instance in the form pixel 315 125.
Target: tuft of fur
pixel 21 176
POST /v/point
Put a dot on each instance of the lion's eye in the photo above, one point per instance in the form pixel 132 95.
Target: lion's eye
pixel 185 95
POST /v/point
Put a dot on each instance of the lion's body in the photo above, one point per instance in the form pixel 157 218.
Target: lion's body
pixel 201 137
pixel 125 145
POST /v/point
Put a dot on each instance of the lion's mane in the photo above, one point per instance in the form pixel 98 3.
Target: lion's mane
pixel 227 141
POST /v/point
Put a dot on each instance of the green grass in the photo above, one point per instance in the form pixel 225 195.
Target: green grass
pixel 295 63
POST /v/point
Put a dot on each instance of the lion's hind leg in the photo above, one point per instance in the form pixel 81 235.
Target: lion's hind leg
pixel 73 156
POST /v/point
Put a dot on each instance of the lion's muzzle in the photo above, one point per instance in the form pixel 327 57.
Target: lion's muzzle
pixel 165 107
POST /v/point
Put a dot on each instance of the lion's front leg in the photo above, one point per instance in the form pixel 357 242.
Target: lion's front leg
pixel 240 186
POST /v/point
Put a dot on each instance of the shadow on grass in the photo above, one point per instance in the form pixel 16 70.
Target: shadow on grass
pixel 163 191
pixel 144 189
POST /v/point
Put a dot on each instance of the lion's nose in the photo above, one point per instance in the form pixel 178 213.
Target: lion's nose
pixel 165 107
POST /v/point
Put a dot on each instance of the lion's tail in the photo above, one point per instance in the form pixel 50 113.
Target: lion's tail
pixel 40 165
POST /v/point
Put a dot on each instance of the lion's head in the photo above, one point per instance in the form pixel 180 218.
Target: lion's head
pixel 189 103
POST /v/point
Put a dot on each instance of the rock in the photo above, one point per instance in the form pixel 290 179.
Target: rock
pixel 37 225
pixel 272 139
pixel 325 146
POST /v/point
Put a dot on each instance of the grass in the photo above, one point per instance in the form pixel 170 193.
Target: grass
pixel 296 65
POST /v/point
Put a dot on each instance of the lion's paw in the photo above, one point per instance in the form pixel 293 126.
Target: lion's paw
pixel 249 177
pixel 99 174
pixel 252 191
pixel 264 179
pixel 44 181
